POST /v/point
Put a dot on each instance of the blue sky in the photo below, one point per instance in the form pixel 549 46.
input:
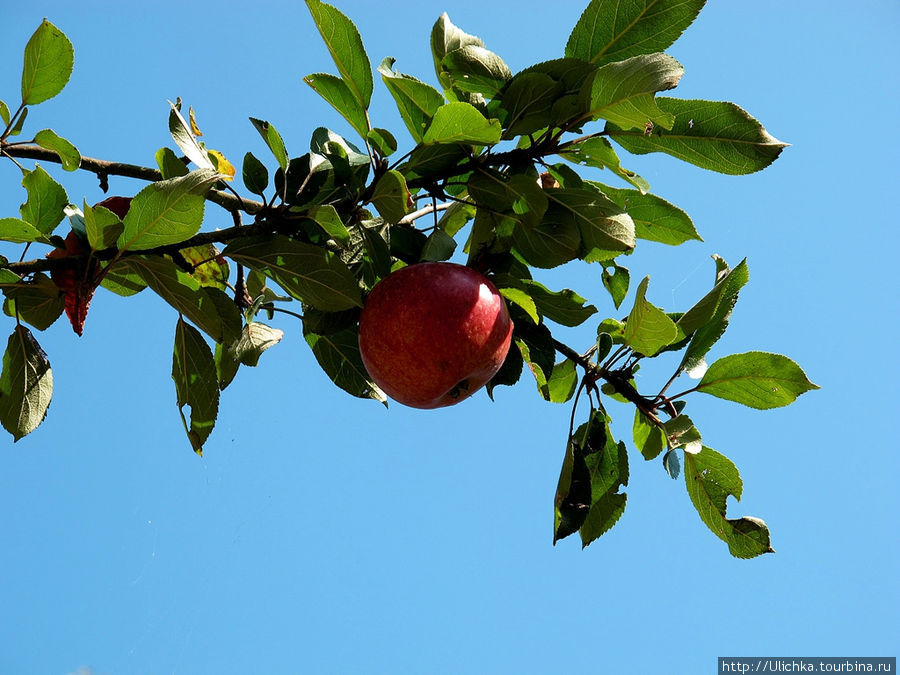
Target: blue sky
pixel 320 533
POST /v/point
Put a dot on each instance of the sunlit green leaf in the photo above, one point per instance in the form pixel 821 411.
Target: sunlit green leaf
pixel 605 229
pixel 49 58
pixel 20 232
pixel 648 329
pixel 654 218
pixel 416 101
pixel 612 30
pixel 391 196
pixel 756 379
pixel 46 200
pixel 616 282
pixel 649 439
pixel 38 303
pixel 598 152
pixel 336 92
pixel 461 123
pixel 170 165
pixel 68 154
pixel 273 140
pixel 327 218
pixel 446 38
pixel 474 69
pixel 346 48
pixel 711 478
pixel 562 382
pixel 183 135
pixel 102 226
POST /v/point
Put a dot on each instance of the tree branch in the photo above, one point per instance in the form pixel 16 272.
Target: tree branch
pixel 104 168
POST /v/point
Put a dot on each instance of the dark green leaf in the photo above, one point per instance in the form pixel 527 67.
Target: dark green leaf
pixel 538 351
pixel 598 152
pixel 672 464
pixel 68 154
pixel 565 307
pixel 528 101
pixel 648 329
pixel 346 48
pixel 327 218
pixel 623 92
pixel 26 384
pixel 756 379
pixel 710 478
pixel 338 355
pixel 461 123
pixel 547 245
pixel 572 501
pixel 196 383
pixel 38 303
pixel 713 135
pixel 336 92
pixel 612 30
pixel 309 273
pixel 273 140
pixel 46 200
pixel 430 160
pixel 167 212
pixel 416 101
pixel 440 246
pixel 605 229
pixel 183 292
pixel 476 70
pixel 391 196
pixel 509 372
pixel 654 218
pixel 255 174
pixel 49 58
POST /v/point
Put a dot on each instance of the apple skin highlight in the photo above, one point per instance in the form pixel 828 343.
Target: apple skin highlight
pixel 432 334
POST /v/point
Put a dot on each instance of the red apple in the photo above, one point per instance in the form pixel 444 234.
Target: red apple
pixel 118 205
pixel 432 334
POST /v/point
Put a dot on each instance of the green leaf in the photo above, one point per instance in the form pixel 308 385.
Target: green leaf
pixel 26 384
pixel 565 307
pixel 382 141
pixel 708 319
pixel 273 141
pixel 710 478
pixel 20 122
pixel 528 101
pixel 122 280
pixel 547 245
pixel 416 101
pixel 476 70
pixel 535 343
pixel 196 383
pixel 49 58
pixel 328 219
pixel 102 226
pixel 254 340
pixel 38 302
pixel 210 269
pixel 605 229
pixel 520 299
pixel 69 156
pixel 20 232
pixel 184 138
pixel 346 48
pixel 309 273
pixel 616 282
pixel 391 196
pixel 336 92
pixel 46 200
pixel 623 92
pixel 338 355
pixel 170 165
pixel 756 379
pixel 439 246
pixel 713 135
pixel 680 432
pixel 598 152
pixel 562 382
pixel 4 113
pixel 654 218
pixel 167 212
pixel 649 439
pixel 185 294
pixel 255 175
pixel 461 123
pixel 648 329
pixel 613 30
pixel 446 38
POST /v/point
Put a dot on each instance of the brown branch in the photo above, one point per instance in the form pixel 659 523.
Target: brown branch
pixel 104 168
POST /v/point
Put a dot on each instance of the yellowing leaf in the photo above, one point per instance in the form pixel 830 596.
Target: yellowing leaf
pixel 223 166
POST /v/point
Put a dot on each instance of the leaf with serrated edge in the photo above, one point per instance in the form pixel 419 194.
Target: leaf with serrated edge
pixel 49 57
pixel 196 383
pixel 648 329
pixel 612 31
pixel 26 384
pixel 68 154
pixel 756 379
pixel 46 200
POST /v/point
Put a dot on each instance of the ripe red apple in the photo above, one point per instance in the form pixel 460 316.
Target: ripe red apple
pixel 432 334
pixel 118 205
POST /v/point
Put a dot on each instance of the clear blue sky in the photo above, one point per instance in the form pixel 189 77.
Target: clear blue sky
pixel 323 534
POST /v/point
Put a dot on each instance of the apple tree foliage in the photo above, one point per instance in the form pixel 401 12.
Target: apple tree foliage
pixel 488 163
